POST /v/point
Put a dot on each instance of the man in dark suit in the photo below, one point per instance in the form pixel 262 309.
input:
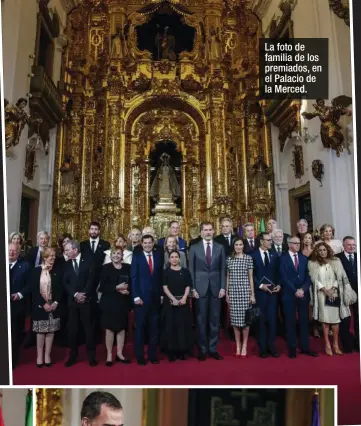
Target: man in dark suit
pixel 207 265
pixel 279 246
pixel 33 256
pixel 174 229
pixel 265 276
pixel 146 277
pixel 295 282
pixel 250 242
pixel 349 263
pixel 94 247
pixel 79 283
pixel 226 238
pixel 19 271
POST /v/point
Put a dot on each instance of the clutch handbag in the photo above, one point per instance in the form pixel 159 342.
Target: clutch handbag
pixel 336 302
pixel 253 314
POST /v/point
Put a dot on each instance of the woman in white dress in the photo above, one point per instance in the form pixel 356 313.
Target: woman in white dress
pixel 329 287
pixel 121 242
pixel 327 233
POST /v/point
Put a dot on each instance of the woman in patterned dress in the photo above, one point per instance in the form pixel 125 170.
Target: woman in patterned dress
pixel 240 293
pixel 46 286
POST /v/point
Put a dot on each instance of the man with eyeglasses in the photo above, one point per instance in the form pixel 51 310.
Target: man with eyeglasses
pixel 295 282
pixel 265 275
pixel 349 262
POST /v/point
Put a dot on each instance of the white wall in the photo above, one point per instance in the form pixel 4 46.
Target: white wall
pixel 14 406
pixel 334 202
pixel 19 19
pixel 131 400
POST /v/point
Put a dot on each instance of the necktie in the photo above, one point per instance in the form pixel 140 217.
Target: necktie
pixel 351 259
pixel 279 249
pixel 208 254
pixel 251 244
pixel 150 263
pixel 93 246
pixel 266 259
pixel 229 240
pixel 296 261
pixel 10 268
pixel 76 267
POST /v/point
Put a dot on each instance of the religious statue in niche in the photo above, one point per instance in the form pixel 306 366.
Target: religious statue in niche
pixel 165 185
pixel 331 134
pixel 165 45
pixel 214 45
pixel 261 174
pixel 15 119
pixel 118 44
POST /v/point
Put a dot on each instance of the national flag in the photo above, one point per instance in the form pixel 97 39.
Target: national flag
pixel 315 411
pixel 29 409
pixel 262 226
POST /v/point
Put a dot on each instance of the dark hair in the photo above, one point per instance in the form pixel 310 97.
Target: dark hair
pixel 21 100
pixel 92 404
pixel 94 223
pixel 120 236
pixel 204 224
pixel 234 242
pixel 62 237
pixel 146 236
pixel 348 237
pixel 315 256
pixel 174 251
pixel 303 238
pixel 262 235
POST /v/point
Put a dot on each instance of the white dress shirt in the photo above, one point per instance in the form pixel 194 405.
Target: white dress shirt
pixel 263 256
pixel 205 245
pixel 293 256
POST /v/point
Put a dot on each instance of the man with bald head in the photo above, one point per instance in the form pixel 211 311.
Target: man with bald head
pixel 101 409
pixel 18 272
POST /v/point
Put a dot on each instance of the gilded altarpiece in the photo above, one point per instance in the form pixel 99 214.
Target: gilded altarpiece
pixel 121 102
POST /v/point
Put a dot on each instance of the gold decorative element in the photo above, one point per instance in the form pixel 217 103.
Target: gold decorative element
pixel 342 9
pixel 297 161
pixel 49 410
pixel 124 104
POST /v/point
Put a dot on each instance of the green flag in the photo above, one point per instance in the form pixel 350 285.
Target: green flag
pixel 29 409
pixel 262 226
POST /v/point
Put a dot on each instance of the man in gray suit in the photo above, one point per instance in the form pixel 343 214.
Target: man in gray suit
pixel 207 265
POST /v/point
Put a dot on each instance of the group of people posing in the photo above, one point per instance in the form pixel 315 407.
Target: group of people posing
pixel 172 286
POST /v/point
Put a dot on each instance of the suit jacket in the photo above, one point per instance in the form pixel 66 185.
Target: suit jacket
pixel 157 248
pixel 38 312
pixel 204 276
pixel 99 255
pixel 19 283
pixel 292 280
pixel 144 285
pixel 221 239
pixel 195 241
pixel 351 272
pixel 285 236
pixel 260 270
pixel 31 256
pixel 85 282
pixel 247 248
pixel 181 243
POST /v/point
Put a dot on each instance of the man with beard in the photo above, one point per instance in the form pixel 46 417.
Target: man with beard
pixel 94 247
pixel 101 409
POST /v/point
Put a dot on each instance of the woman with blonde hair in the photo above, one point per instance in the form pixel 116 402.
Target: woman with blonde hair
pixel 47 290
pixel 17 238
pixel 332 293
pixel 170 245
pixel 327 233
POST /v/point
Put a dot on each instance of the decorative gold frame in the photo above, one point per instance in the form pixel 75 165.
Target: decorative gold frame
pixel 49 407
pixel 342 9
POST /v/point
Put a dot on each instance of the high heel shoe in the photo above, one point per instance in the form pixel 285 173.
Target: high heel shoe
pixel 109 363
pixel 123 361
pixel 48 364
pixel 237 355
pixel 328 350
pixel 40 365
pixel 337 350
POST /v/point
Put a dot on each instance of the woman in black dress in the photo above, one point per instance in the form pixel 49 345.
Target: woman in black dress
pixel 177 317
pixel 115 303
pixel 46 287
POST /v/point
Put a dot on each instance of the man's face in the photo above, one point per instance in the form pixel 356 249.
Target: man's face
pixel 107 417
pixel 271 225
pixel 294 245
pixel 174 229
pixel 226 227
pixel 349 246
pixel 278 238
pixel 250 231
pixel 266 243
pixel 94 232
pixel 302 227
pixel 43 240
pixel 70 252
pixel 148 245
pixel 207 232
pixel 13 252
